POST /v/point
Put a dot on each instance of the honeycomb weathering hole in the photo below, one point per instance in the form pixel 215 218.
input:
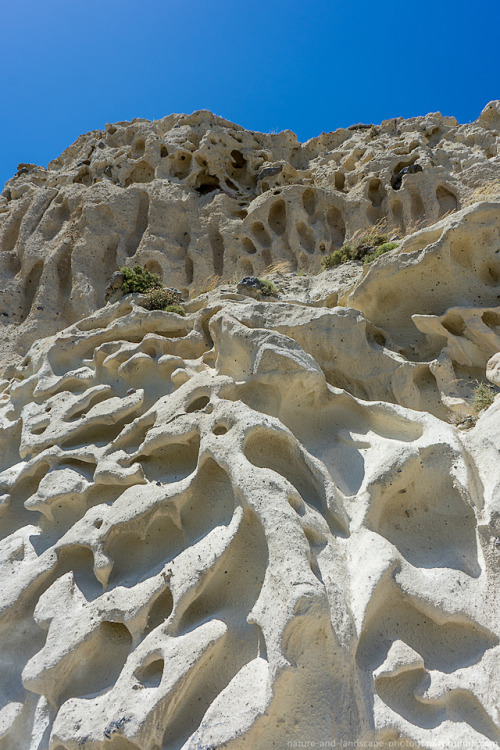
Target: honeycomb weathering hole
pixel 198 404
pixel 219 429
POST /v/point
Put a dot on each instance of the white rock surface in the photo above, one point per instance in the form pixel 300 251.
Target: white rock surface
pixel 195 196
pixel 254 526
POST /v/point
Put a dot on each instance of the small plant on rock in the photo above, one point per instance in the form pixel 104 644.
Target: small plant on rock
pixel 164 299
pixel 138 279
pixel 483 396
pixel 381 249
pixel 462 420
pixel 344 255
pixel 369 247
pixel 269 289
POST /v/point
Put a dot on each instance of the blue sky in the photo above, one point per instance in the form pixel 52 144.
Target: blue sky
pixel 70 66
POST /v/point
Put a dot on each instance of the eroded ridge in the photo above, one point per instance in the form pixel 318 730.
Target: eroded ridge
pixel 193 196
pixel 207 541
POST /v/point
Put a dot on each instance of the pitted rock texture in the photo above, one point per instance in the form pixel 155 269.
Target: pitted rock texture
pixel 206 543
pixel 255 525
pixel 194 196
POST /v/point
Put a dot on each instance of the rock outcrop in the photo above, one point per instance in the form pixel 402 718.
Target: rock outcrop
pixel 195 196
pixel 254 526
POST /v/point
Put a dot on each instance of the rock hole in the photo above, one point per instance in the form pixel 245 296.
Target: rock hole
pixel 306 237
pixel 40 429
pixel 161 609
pixel 430 524
pixel 142 172
pixel 64 274
pixel 445 646
pixel 491 319
pixel 447 201
pixel 309 201
pixel 12 264
pixel 219 429
pixel 269 450
pixel 153 267
pixel 217 245
pixel 133 240
pixel 80 561
pixel 31 284
pixel 375 335
pixel 376 192
pixel 261 234
pixel 199 514
pixel 188 269
pixel 207 183
pixel 100 662
pixel 137 556
pixel 180 164
pixel 242 214
pixel 197 404
pixel 336 225
pixel 339 180
pixel 397 216
pixel 98 432
pixel 239 161
pixel 454 323
pixel 248 246
pixel 490 274
pixel 163 151
pixel 83 177
pixel 396 179
pixel 54 219
pixel 138 148
pixel 150 675
pixel 277 217
pixel 417 207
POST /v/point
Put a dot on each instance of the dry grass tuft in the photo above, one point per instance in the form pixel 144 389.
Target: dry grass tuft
pixel 483 396
pixel 279 268
pixel 487 191
pixel 207 285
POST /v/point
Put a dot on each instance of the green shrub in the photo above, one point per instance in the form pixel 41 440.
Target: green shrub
pixel 483 396
pixel 381 249
pixel 375 239
pixel 367 248
pixel 138 279
pixel 344 255
pixel 175 309
pixel 164 299
pixel 268 288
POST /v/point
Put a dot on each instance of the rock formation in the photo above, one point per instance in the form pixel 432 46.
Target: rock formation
pixel 257 525
pixel 197 196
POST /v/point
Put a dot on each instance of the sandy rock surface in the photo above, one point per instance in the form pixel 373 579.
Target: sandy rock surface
pixel 255 525
pixel 195 197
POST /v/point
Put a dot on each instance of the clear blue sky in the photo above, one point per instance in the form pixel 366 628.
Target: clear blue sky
pixel 70 66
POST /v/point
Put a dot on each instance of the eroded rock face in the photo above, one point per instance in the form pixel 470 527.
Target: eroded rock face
pixel 255 525
pixel 207 544
pixel 195 196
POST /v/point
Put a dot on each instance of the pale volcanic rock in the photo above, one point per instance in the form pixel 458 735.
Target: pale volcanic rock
pixel 195 196
pixel 254 525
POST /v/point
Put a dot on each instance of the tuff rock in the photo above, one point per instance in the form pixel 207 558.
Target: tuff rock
pixel 258 524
